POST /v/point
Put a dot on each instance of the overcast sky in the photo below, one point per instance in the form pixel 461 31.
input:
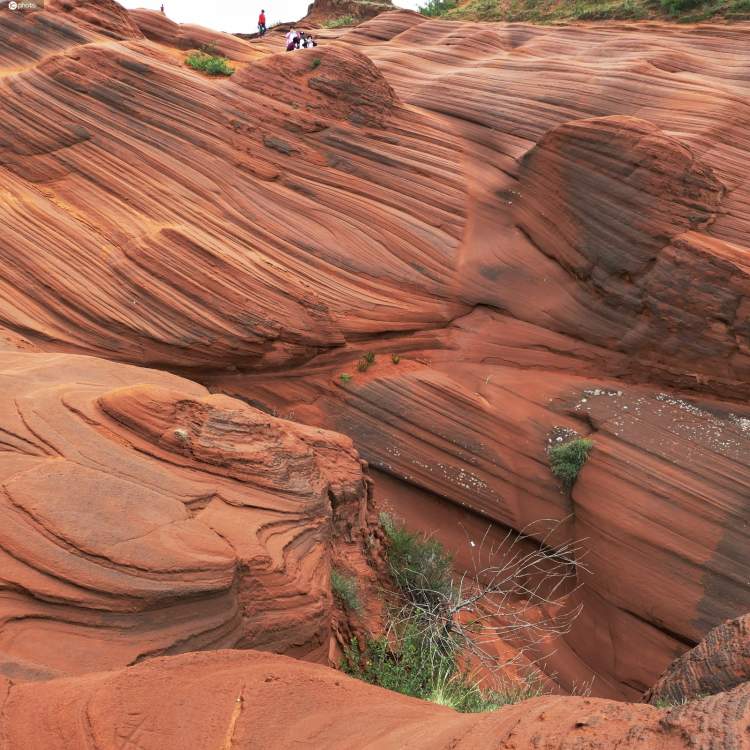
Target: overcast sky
pixel 235 16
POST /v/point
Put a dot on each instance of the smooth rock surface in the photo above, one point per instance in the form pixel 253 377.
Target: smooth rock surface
pixel 143 516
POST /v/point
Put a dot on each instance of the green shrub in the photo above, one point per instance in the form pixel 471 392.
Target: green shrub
pixel 315 63
pixel 395 358
pixel 214 66
pixel 413 664
pixel 567 460
pixel 363 365
pixel 344 588
pixel 337 23
pixel 430 631
pixel 345 377
pixel 437 7
pixel 369 357
pixel 420 566
pixel 673 7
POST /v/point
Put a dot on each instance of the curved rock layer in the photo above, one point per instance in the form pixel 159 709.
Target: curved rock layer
pixel 143 516
pixel 720 662
pixel 661 504
pixel 548 224
pixel 252 700
pixel 204 249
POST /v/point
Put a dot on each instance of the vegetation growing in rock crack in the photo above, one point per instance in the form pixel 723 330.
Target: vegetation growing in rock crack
pixel 395 358
pixel 567 460
pixel 437 7
pixel 441 626
pixel 336 23
pixel 344 588
pixel 315 63
pixel 369 357
pixel 345 377
pixel 671 702
pixel 213 65
pixel 363 365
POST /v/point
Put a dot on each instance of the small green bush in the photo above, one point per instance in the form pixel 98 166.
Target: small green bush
pixel 422 653
pixel 337 23
pixel 567 460
pixel 436 8
pixel 344 588
pixel 363 365
pixel 419 566
pixel 315 63
pixel 369 358
pixel 345 377
pixel 395 359
pixel 414 665
pixel 214 66
pixel 673 7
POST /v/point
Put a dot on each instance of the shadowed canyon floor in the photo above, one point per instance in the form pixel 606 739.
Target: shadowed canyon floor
pixel 547 226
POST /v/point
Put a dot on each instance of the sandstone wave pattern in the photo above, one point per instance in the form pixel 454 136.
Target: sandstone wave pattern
pixel 143 516
pixel 548 228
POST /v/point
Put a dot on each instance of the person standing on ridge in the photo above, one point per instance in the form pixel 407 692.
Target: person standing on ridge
pixel 262 23
pixel 162 9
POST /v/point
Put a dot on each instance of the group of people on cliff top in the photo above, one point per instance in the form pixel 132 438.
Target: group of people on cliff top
pixel 294 39
pixel 299 40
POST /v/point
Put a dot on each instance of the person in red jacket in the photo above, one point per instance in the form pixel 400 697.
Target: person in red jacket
pixel 262 23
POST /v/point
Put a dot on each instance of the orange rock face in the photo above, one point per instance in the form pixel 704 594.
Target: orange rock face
pixel 247 699
pixel 143 516
pixel 720 662
pixel 548 225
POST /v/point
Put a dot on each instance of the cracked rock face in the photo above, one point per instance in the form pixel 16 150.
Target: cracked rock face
pixel 143 516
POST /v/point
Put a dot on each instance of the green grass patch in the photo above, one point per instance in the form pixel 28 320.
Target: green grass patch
pixel 418 564
pixel 413 665
pixel 345 377
pixel 345 589
pixel 435 8
pixel 210 64
pixel 554 11
pixel 337 23
pixel 414 658
pixel 567 460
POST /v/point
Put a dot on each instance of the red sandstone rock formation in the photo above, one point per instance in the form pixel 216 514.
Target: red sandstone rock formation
pixel 251 700
pixel 549 224
pixel 720 662
pixel 143 516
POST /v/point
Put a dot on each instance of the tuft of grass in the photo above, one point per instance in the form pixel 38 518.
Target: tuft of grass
pixel 567 460
pixel 315 63
pixel 436 8
pixel 363 365
pixel 345 377
pixel 395 358
pixel 210 64
pixel 370 358
pixel 410 660
pixel 344 588
pixel 418 564
pixel 337 23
